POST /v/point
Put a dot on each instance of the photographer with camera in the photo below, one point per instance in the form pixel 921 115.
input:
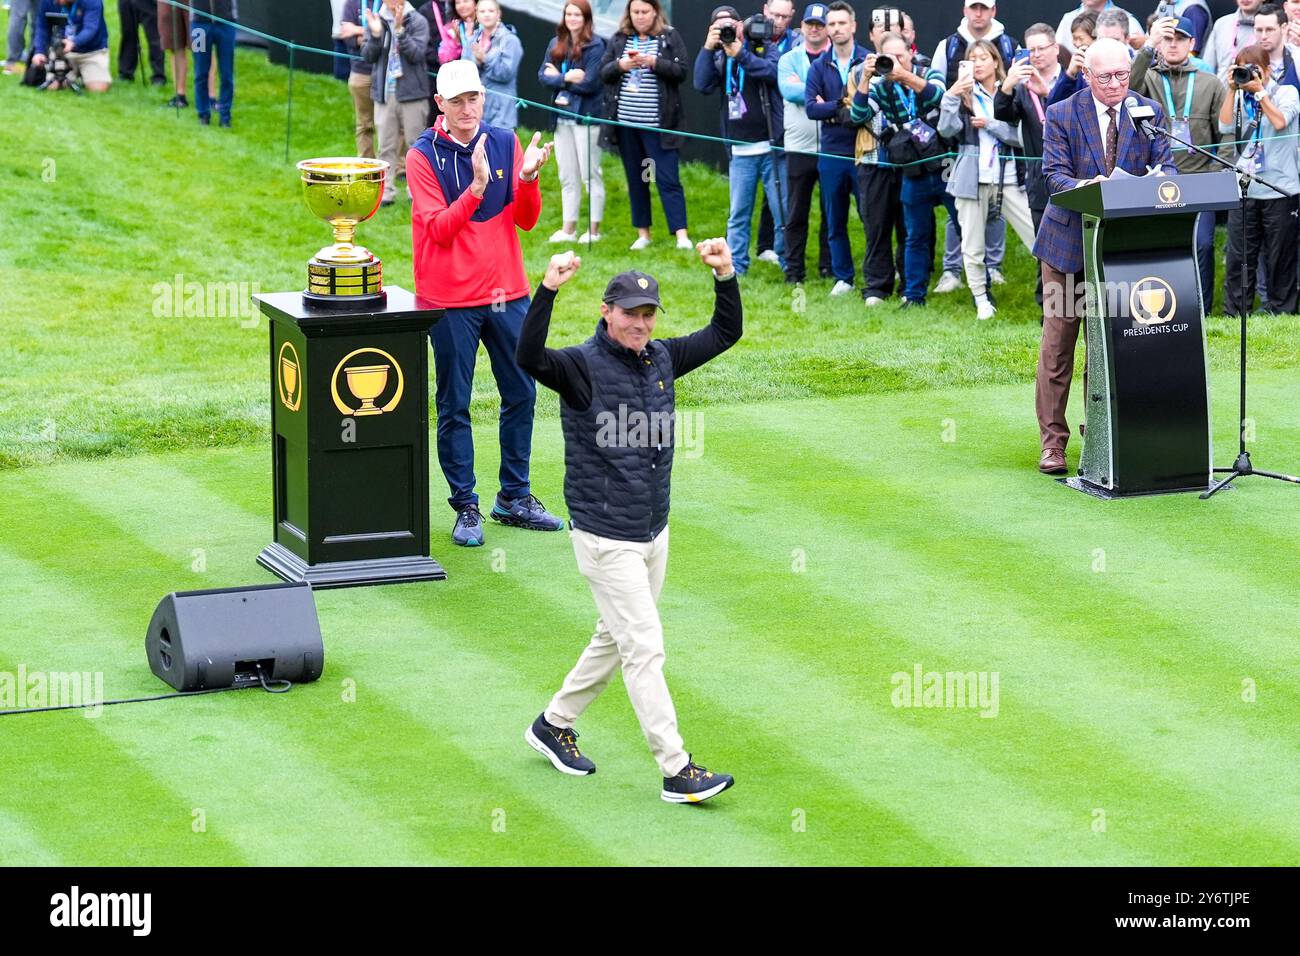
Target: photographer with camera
pixel 1163 71
pixel 826 101
pixel 739 60
pixel 907 101
pixel 82 45
pixel 1261 115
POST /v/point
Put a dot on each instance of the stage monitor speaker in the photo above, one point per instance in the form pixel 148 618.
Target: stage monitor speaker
pixel 206 639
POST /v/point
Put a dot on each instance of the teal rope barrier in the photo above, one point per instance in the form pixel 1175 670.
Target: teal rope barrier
pixel 587 120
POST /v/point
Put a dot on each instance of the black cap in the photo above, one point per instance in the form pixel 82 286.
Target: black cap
pixel 631 289
pixel 724 10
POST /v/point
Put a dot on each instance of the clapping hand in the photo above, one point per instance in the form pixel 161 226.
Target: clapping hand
pixel 535 158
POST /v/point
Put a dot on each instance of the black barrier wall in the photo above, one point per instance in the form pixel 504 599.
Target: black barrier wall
pixel 308 22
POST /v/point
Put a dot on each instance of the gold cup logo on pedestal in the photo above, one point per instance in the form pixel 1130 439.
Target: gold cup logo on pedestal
pixel 289 377
pixel 343 192
pixel 374 378
pixel 1152 301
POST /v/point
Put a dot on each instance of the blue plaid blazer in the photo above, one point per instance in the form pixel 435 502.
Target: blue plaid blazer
pixel 1073 151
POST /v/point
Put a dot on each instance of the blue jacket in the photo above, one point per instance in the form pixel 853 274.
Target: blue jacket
pixel 1072 152
pixel 715 72
pixel 500 75
pixel 824 80
pixel 86 25
pixel 585 98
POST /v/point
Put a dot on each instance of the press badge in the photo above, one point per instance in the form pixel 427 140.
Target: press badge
pixel 922 132
pixel 1182 129
pixel 736 108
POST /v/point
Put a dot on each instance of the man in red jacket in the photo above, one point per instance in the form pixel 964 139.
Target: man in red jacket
pixel 472 184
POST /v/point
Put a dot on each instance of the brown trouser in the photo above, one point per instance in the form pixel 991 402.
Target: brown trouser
pixel 1062 314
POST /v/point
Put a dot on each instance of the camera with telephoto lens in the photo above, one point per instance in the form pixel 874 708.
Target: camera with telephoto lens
pixel 1241 75
pixel 758 30
pixel 57 67
pixel 884 65
pixel 727 34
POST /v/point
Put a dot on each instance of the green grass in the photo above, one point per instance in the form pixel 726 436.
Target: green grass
pixel 865 501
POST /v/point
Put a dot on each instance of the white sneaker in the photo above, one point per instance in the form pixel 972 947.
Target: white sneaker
pixel 769 255
pixel 996 277
pixel 561 236
pixel 984 309
pixel 841 288
pixel 873 300
pixel 641 243
pixel 587 237
pixel 948 282
pixel 684 242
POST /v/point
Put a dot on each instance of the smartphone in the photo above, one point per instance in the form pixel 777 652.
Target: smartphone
pixel 1022 56
pixel 964 68
pixel 888 17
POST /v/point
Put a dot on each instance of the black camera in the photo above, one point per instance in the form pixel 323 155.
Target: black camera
pixel 758 30
pixel 727 34
pixel 1241 75
pixel 884 65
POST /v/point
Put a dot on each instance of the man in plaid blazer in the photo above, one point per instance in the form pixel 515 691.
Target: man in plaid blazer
pixel 1084 139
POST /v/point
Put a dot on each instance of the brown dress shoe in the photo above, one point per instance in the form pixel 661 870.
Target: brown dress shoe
pixel 1052 462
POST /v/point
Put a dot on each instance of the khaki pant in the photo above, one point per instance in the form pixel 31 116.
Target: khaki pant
pixel 363 108
pixel 90 67
pixel 397 125
pixel 578 159
pixel 626 578
pixel 972 216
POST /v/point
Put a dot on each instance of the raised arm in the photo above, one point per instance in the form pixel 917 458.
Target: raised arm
pixel 689 352
pixel 562 370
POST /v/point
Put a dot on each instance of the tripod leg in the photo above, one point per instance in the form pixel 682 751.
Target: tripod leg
pixel 1219 486
pixel 1280 477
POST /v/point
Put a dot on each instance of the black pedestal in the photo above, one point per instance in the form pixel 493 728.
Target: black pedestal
pixel 350 441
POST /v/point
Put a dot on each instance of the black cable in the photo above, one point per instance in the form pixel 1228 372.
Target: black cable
pixel 281 687
pixel 110 703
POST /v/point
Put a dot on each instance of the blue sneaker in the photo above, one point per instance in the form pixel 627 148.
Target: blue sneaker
pixel 695 784
pixel 526 512
pixel 559 745
pixel 468 532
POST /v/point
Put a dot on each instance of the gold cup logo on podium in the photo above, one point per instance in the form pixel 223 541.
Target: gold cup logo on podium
pixel 344 192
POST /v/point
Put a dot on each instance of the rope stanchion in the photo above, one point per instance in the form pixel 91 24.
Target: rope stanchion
pixel 288 117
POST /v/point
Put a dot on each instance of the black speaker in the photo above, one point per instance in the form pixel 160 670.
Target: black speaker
pixel 205 639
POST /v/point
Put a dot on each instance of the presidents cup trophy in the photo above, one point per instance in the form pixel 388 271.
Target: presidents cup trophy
pixel 343 192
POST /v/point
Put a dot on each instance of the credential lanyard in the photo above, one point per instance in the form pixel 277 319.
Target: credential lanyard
pixel 1187 100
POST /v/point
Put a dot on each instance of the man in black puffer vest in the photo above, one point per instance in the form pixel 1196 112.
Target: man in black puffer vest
pixel 618 413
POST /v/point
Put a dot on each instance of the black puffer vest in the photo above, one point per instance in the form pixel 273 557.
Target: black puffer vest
pixel 618 454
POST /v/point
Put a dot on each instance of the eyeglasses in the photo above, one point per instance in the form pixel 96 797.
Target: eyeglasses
pixel 1105 79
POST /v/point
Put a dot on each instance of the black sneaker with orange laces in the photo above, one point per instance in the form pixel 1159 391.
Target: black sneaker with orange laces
pixel 695 784
pixel 559 745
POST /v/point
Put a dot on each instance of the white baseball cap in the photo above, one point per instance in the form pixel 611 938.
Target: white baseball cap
pixel 457 77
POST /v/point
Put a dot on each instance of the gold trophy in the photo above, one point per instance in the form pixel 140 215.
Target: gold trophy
pixel 344 192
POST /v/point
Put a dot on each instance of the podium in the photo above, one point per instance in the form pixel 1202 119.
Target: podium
pixel 1147 392
pixel 350 441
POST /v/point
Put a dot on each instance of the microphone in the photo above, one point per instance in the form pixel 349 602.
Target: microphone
pixel 1140 116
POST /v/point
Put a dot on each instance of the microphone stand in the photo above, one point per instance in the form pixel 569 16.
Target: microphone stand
pixel 1242 466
